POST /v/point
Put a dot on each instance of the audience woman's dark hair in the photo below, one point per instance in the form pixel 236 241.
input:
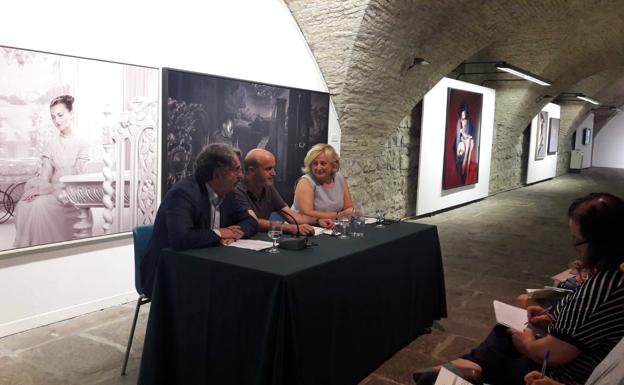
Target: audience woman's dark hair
pixel 215 158
pixel 600 217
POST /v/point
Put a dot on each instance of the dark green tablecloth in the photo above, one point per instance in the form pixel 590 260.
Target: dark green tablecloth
pixel 330 314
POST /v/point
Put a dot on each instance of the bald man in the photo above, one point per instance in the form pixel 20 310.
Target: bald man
pixel 257 193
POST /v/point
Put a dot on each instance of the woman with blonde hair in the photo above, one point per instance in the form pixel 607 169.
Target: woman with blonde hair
pixel 322 192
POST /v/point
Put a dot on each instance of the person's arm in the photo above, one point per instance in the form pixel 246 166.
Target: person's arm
pixel 82 158
pixel 241 216
pixel 302 218
pixel 40 185
pixel 560 352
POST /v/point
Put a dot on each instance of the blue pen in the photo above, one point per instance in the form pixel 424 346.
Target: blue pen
pixel 545 362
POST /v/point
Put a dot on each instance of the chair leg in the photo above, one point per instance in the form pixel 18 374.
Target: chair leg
pixel 134 322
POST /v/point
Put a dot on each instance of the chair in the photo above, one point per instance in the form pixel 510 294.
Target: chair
pixel 141 236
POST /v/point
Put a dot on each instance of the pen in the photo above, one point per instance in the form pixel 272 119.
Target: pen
pixel 545 362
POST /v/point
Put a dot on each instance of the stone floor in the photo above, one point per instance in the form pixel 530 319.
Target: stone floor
pixel 492 249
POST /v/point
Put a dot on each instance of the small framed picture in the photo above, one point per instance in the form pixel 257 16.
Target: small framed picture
pixel 587 136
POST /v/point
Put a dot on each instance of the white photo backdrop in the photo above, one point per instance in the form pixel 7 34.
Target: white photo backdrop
pixel 543 165
pixel 431 193
pixel 75 134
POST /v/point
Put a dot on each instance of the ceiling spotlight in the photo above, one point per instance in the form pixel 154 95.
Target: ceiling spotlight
pixel 587 99
pixel 526 75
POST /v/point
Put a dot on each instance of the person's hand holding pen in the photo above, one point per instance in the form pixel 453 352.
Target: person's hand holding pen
pixel 539 378
pixel 538 316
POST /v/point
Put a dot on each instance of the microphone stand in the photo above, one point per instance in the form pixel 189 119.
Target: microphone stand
pixel 295 243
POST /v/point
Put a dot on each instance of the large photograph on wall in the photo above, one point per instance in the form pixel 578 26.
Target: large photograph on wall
pixel 462 137
pixel 200 109
pixel 542 133
pixel 77 147
pixel 553 136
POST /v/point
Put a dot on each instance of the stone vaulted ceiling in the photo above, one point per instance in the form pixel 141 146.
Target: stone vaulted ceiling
pixel 364 48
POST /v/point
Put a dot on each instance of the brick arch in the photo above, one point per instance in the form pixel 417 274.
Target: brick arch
pixel 363 48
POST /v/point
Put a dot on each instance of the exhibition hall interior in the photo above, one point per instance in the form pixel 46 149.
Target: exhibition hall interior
pixel 465 132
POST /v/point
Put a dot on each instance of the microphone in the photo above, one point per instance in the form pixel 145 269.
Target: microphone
pixel 296 243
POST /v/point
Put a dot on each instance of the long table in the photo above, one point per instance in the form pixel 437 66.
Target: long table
pixel 330 314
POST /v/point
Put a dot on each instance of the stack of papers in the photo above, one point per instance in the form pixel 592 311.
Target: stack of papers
pixel 321 230
pixel 251 244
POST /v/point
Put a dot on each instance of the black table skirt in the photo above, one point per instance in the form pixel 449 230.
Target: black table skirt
pixel 326 315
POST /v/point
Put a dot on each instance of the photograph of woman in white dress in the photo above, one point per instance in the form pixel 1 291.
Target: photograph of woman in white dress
pixel 40 216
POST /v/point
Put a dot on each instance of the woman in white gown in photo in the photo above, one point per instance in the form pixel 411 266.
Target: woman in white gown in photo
pixel 40 217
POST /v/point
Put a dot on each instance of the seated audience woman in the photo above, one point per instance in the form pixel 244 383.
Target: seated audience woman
pixel 322 192
pixel 582 328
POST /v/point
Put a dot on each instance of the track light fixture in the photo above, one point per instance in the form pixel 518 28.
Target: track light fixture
pixel 517 71
pixel 607 108
pixel 588 99
pixel 579 96
pixel 506 67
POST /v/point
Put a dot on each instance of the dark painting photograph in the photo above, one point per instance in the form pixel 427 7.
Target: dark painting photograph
pixel 553 136
pixel 542 133
pixel 200 109
pixel 461 143
pixel 75 134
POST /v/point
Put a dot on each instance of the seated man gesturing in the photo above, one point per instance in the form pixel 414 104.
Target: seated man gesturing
pixel 257 193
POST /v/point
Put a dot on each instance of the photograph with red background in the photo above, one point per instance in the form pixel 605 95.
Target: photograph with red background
pixel 461 140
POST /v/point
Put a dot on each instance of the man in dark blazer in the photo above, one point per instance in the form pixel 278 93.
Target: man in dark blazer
pixel 201 211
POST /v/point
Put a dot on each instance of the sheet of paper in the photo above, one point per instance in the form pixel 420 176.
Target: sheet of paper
pixel 369 221
pixel 321 230
pixel 564 275
pixel 446 377
pixel 251 244
pixel 511 316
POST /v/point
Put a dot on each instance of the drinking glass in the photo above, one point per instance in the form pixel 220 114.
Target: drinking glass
pixel 381 217
pixel 357 226
pixel 275 232
pixel 342 226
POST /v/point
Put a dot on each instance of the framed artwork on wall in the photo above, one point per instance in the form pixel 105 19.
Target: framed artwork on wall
pixel 542 133
pixel 462 138
pixel 75 134
pixel 553 136
pixel 199 109
pixel 587 136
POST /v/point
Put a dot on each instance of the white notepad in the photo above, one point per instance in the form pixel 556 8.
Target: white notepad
pixel 446 377
pixel 251 244
pixel 548 292
pixel 510 316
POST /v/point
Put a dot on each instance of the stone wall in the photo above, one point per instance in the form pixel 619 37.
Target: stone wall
pixel 365 48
